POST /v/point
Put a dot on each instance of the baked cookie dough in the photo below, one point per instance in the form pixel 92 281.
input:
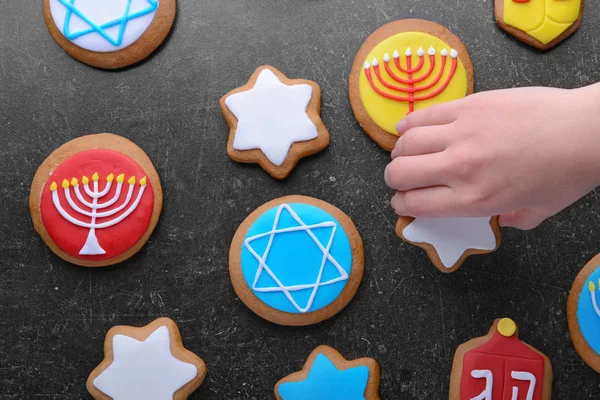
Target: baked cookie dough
pixel 96 200
pixel 296 260
pixel 327 375
pixel 540 23
pixel 274 121
pixel 147 363
pixel 404 66
pixel 109 34
pixel 583 313
pixel 500 366
pixel 449 241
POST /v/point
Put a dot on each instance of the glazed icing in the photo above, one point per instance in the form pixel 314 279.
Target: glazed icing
pixel 144 369
pixel 272 116
pixel 502 368
pixel 588 312
pixel 543 20
pixel 451 237
pixel 296 258
pixel 414 71
pixel 325 381
pixel 97 204
pixel 103 26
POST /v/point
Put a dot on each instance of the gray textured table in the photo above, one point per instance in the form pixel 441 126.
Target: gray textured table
pixel 408 316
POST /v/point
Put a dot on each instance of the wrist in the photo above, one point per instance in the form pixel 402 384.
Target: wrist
pixel 589 112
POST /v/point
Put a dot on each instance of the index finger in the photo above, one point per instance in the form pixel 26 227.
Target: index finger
pixel 438 114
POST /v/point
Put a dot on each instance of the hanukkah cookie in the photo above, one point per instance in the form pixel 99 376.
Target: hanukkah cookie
pixel 109 33
pixel 274 121
pixel 540 23
pixel 500 366
pixel 405 66
pixel 95 200
pixel 147 363
pixel 296 260
pixel 449 241
pixel 583 313
pixel 327 375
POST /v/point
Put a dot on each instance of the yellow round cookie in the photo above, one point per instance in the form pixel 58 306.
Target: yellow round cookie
pixel 386 112
pixel 544 20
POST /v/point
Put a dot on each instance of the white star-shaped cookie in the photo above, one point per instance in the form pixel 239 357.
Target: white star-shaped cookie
pixel 272 114
pixel 450 238
pixel 146 369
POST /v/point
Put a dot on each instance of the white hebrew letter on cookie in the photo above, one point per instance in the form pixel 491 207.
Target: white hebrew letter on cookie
pixel 523 376
pixel 489 383
pixel 451 237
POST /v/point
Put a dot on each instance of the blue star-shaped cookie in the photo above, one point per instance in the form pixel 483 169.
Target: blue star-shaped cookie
pixel 102 28
pixel 332 380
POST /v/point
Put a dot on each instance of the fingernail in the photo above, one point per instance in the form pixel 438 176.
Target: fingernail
pixel 385 174
pixel 402 125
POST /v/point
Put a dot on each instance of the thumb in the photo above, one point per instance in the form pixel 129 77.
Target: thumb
pixel 524 219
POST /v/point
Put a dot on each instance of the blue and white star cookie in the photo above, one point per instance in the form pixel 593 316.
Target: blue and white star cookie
pixel 327 375
pixel 109 33
pixel 147 363
pixel 583 313
pixel 296 261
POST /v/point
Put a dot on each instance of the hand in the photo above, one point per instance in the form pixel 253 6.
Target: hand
pixel 524 154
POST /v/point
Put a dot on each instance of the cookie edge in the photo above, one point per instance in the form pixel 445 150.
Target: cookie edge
pixel 107 141
pixel 298 150
pixel 385 140
pixel 524 37
pixel 148 43
pixel 142 333
pixel 432 253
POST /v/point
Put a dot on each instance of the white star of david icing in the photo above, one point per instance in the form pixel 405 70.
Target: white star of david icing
pixel 451 237
pixel 262 260
pixel 144 370
pixel 272 117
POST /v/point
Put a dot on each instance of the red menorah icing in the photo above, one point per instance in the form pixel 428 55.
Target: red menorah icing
pixel 411 92
pixel 97 204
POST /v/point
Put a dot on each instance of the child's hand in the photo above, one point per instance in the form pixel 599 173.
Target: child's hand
pixel 524 154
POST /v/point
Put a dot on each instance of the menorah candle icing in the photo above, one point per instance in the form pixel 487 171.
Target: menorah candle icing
pixel 296 262
pixel 103 26
pixel 583 313
pixel 394 86
pixel 147 363
pixel 539 22
pixel 97 204
pixel 500 366
pixel 327 375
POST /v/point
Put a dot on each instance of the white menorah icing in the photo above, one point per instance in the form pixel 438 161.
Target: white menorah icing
pixel 91 246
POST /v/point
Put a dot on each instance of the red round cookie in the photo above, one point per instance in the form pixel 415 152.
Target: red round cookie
pixel 120 234
pixel 96 200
